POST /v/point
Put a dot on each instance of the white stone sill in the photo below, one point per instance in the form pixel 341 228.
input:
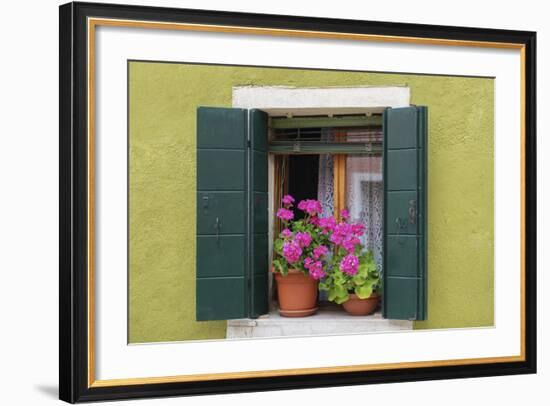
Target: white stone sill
pixel 327 321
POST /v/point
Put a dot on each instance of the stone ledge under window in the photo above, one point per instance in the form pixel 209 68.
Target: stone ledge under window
pixel 327 321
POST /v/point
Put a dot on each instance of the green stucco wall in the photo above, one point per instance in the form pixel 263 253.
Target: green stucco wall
pixel 163 98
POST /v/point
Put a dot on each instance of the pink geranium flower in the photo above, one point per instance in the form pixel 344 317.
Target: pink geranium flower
pixel 307 262
pixel 314 220
pixel 316 270
pixel 320 251
pixel 310 206
pixel 350 243
pixel 288 200
pixel 341 233
pixel 285 214
pixel 358 229
pixel 327 224
pixel 291 251
pixel 337 238
pixel 349 264
pixel 303 239
pixel 286 233
pixel 317 246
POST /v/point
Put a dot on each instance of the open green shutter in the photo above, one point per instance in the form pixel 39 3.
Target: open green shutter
pixel 405 214
pixel 232 213
pixel 222 205
pixel 259 214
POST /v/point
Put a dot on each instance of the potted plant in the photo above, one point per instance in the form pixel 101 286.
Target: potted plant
pixel 351 278
pixel 300 258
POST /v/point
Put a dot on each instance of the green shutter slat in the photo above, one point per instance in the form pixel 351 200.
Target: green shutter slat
pixel 212 205
pixel 220 298
pixel 405 189
pixel 221 169
pixel 222 207
pixel 230 264
pixel 258 295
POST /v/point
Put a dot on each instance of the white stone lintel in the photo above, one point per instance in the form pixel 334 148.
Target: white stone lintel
pixel 280 100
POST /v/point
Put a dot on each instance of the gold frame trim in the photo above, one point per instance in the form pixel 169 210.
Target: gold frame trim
pixel 94 22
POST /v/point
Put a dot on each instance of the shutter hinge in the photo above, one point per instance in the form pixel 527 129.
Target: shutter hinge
pixel 249 144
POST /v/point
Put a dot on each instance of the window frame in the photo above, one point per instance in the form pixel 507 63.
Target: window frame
pixel 280 187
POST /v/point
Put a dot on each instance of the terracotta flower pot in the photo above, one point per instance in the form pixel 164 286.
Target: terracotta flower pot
pixel 361 307
pixel 297 294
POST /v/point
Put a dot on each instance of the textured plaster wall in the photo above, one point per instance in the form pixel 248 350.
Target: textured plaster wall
pixel 163 100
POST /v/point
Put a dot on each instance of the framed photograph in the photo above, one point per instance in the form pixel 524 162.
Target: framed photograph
pixel 258 202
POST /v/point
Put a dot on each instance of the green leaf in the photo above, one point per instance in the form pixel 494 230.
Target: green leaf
pixel 358 280
pixel 332 294
pixel 277 265
pixel 363 291
pixel 342 299
pixel 363 271
pixel 278 245
pixel 337 292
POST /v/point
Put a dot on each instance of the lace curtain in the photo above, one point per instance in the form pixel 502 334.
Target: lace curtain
pixel 325 186
pixel 364 194
pixel 364 199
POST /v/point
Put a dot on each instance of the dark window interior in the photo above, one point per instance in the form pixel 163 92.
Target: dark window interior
pixel 303 175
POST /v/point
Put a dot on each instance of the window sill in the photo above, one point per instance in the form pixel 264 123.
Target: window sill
pixel 327 321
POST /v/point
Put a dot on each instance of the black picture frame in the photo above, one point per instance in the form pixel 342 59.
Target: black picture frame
pixel 73 255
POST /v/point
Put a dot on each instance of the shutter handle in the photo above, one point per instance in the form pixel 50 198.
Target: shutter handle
pixel 217 226
pixel 412 211
pixel 400 225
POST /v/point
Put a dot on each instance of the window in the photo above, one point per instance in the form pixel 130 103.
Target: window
pixel 232 200
pixel 341 167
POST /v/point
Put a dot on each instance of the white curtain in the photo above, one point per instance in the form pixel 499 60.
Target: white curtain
pixel 364 191
pixel 364 199
pixel 325 185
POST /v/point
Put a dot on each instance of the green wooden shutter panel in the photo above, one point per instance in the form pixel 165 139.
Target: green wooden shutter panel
pixel 259 213
pixel 222 201
pixel 405 213
pixel 232 213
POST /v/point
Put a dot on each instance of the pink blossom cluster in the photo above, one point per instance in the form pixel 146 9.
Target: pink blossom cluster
pixel 303 239
pixel 339 234
pixel 286 233
pixel 320 251
pixel 349 264
pixel 287 200
pixel 292 251
pixel 310 206
pixel 285 214
pixel 315 268
pixel 347 235
pixel 314 220
pixel 327 224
